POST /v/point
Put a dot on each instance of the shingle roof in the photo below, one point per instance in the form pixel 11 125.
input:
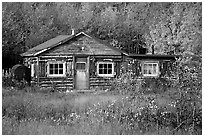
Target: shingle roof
pixel 60 40
pixel 46 45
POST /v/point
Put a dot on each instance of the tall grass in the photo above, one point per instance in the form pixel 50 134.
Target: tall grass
pixel 40 112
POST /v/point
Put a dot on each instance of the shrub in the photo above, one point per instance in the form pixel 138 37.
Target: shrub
pixel 7 82
pixel 155 85
pixel 125 84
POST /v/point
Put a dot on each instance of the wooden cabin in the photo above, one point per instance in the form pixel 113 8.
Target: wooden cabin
pixel 151 65
pixel 83 62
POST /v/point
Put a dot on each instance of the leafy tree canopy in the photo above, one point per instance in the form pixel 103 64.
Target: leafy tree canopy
pixel 165 26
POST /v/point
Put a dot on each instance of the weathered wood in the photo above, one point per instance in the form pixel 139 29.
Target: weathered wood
pixel 92 67
pixel 117 68
pixel 100 82
pixel 56 82
pixel 82 45
pixel 56 78
pixel 57 85
pixel 69 68
pixel 118 58
pixel 56 56
pixel 42 68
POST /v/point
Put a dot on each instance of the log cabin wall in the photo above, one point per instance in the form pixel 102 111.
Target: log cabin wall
pixel 167 68
pixel 97 81
pixel 64 82
pixel 40 75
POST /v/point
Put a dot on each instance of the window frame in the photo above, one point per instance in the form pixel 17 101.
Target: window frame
pixel 56 62
pixel 157 69
pixel 32 69
pixel 105 75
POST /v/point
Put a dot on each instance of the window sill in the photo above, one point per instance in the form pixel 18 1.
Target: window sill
pixel 150 75
pixel 101 75
pixel 56 75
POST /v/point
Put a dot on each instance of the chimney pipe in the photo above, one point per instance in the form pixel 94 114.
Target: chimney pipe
pixel 152 49
pixel 73 31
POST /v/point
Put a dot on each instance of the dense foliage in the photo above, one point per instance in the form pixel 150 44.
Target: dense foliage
pixel 165 26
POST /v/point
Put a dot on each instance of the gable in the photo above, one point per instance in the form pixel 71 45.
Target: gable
pixel 80 43
pixel 83 44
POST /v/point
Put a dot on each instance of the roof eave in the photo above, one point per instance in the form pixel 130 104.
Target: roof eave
pixel 154 56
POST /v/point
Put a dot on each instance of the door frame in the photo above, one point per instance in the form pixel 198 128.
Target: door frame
pixel 87 70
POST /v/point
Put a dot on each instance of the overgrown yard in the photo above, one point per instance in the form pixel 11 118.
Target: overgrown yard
pixel 31 111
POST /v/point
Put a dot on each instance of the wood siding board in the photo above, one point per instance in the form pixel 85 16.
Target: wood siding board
pixel 69 68
pixel 42 68
pixel 56 78
pixel 109 56
pixel 117 68
pixel 137 68
pixel 92 68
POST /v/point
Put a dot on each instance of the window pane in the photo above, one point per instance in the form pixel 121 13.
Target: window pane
pixel 55 66
pixel 109 71
pixel 100 65
pixel 154 68
pixel 145 71
pixel 56 71
pixel 149 71
pixel 51 71
pixel 105 70
pixel 110 66
pixel 145 66
pixel 80 66
pixel 100 71
pixel 105 66
pixel 61 66
pixel 60 71
pixel 149 66
pixel 51 66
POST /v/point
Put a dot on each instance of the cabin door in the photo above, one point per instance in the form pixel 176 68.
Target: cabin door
pixel 81 79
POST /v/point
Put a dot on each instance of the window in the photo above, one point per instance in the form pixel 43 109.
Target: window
pixel 105 69
pixel 80 65
pixel 56 68
pixel 150 69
